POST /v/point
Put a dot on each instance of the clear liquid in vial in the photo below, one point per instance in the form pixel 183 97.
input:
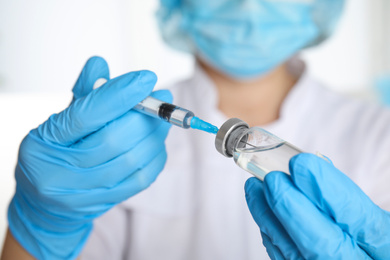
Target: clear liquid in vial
pixel 261 160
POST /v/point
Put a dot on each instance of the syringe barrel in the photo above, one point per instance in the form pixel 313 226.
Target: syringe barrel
pixel 149 106
pixel 168 112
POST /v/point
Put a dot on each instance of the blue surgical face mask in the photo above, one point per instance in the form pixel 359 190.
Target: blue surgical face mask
pixel 246 38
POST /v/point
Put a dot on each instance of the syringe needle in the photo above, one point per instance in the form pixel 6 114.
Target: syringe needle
pixel 197 123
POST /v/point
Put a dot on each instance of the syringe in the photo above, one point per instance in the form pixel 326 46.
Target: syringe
pixel 173 114
pixel 168 112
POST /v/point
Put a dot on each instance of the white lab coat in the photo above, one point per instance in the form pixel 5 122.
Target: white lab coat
pixel 196 209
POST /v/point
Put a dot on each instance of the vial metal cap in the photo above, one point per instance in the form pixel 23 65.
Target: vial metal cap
pixel 223 140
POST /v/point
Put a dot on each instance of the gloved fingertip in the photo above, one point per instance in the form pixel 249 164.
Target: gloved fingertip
pixel 164 95
pixel 255 199
pixel 301 163
pixel 97 67
pixel 299 158
pixel 94 69
pixel 275 184
pixel 253 188
pixel 96 59
pixel 306 168
pixel 97 62
pixel 148 78
pixel 272 179
pixel 253 185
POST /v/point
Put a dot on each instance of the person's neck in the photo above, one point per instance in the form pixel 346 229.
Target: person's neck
pixel 257 101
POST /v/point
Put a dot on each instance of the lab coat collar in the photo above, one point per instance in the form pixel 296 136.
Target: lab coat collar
pixel 295 99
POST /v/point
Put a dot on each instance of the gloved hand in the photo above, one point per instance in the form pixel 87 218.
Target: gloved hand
pixel 81 162
pixel 317 213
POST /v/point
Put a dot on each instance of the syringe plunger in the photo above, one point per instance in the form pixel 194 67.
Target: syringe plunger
pixel 159 109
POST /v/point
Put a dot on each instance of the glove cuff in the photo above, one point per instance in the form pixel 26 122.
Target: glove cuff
pixel 43 244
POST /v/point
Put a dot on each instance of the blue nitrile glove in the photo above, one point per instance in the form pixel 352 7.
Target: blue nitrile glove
pixel 317 213
pixel 81 162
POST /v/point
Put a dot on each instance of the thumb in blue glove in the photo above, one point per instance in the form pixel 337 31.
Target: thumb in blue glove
pixel 84 160
pixel 317 212
pixel 96 68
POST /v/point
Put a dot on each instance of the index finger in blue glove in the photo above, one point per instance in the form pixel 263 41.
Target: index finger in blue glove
pixel 275 237
pixel 339 197
pixel 117 137
pixel 314 233
pixel 88 114
pixel 68 178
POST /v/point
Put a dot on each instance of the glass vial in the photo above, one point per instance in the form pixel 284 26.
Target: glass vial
pixel 254 149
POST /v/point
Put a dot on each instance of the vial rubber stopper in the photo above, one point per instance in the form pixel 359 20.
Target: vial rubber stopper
pixel 227 136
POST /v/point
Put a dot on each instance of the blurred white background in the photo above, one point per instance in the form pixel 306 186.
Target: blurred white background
pixel 45 43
